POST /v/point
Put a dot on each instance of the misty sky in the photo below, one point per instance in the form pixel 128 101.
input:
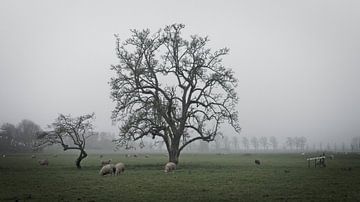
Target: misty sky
pixel 297 61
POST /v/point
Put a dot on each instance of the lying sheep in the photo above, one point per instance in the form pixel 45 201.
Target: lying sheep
pixel 107 169
pixel 257 162
pixel 169 167
pixel 119 168
pixel 105 162
pixel 43 162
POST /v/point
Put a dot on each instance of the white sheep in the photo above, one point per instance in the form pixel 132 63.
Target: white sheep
pixel 119 168
pixel 107 169
pixel 3 155
pixel 169 167
pixel 43 162
pixel 105 162
pixel 33 156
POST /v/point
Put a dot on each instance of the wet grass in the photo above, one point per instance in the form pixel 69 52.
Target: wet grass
pixel 200 177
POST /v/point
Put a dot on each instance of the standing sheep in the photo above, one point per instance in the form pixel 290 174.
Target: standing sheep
pixel 107 169
pixel 105 162
pixel 43 162
pixel 119 168
pixel 257 162
pixel 169 167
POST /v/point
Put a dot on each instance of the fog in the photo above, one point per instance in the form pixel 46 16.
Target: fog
pixel 297 61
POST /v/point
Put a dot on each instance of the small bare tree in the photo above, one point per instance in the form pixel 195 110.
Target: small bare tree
pixel 172 88
pixel 70 133
pixel 273 142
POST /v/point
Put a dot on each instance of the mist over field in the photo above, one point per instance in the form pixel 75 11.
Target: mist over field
pixel 296 61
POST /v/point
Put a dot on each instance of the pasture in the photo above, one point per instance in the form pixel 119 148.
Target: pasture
pixel 199 177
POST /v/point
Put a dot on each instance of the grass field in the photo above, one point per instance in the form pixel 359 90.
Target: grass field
pixel 200 177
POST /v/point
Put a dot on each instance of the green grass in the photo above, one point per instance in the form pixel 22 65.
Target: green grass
pixel 200 177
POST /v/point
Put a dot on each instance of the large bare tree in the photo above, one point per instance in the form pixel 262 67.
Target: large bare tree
pixel 71 133
pixel 171 88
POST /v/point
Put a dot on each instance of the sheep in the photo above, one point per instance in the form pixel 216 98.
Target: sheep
pixel 55 155
pixel 331 157
pixel 3 155
pixel 146 156
pixel 33 156
pixel 169 167
pixel 100 156
pixel 119 168
pixel 257 162
pixel 43 162
pixel 107 169
pixel 105 162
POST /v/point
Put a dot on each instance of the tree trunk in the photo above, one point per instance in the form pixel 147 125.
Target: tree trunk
pixel 174 151
pixel 174 155
pixel 82 155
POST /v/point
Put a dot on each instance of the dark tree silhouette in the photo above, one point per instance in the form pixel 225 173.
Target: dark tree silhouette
pixel 70 133
pixel 173 88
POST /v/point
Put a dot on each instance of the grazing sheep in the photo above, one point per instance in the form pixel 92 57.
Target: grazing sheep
pixel 33 156
pixel 43 162
pixel 169 167
pixel 105 162
pixel 146 156
pixel 257 162
pixel 107 169
pixel 119 168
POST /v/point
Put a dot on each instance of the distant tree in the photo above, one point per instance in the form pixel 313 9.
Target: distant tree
pixel 290 142
pixel 235 143
pixel 255 142
pixel 300 143
pixel 169 87
pixel 273 142
pixel 246 143
pixel 8 133
pixel 226 143
pixel 18 138
pixel 71 133
pixel 355 144
pixel 264 142
pixel 27 131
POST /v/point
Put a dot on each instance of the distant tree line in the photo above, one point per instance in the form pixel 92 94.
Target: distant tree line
pixel 18 138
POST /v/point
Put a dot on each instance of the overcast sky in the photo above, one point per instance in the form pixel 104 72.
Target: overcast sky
pixel 297 61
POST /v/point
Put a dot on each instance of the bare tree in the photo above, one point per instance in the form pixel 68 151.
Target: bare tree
pixel 290 142
pixel 70 133
pixel 264 142
pixel 255 142
pixel 235 143
pixel 246 143
pixel 173 88
pixel 273 142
